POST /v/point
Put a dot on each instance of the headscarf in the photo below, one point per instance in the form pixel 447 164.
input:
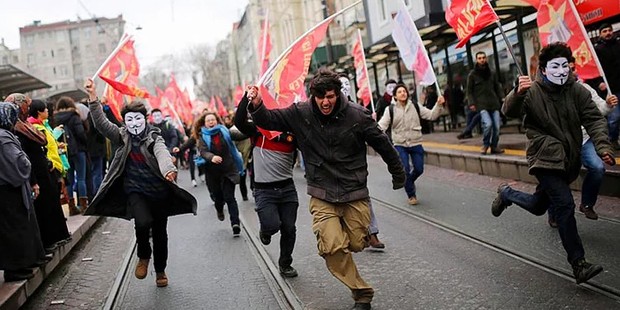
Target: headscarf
pixel 8 115
pixel 22 126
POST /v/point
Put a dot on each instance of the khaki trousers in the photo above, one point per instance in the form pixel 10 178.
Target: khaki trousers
pixel 342 228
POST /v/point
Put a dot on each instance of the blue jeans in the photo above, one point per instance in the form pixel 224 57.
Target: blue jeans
pixel 613 120
pixel 77 171
pixel 553 193
pixel 416 153
pixel 594 176
pixel 96 170
pixel 374 226
pixel 277 211
pixel 473 118
pixel 490 127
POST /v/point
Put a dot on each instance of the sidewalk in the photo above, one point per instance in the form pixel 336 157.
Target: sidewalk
pixel 14 294
pixel 445 150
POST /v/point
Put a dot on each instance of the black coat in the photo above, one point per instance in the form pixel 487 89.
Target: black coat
pixel 333 147
pixel 74 130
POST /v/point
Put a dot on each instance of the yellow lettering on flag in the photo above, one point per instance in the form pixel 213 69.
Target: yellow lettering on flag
pixel 473 8
pixel 582 55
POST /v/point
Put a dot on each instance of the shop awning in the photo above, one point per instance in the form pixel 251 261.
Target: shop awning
pixel 14 80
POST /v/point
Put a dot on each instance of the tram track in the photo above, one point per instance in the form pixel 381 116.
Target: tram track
pixel 608 291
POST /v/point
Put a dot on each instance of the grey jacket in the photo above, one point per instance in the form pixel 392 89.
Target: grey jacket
pixel 553 119
pixel 15 166
pixel 111 199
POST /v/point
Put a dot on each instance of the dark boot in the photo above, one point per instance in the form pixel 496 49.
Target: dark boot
pixel 83 204
pixel 362 306
pixel 584 271
pixel 73 210
pixel 375 243
pixel 588 212
pixel 499 205
pixel 17 275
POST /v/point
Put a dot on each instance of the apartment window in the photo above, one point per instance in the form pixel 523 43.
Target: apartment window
pixel 5 60
pixel 64 71
pixel 43 54
pixel 61 53
pixel 52 53
pixel 87 32
pixel 30 58
pixel 60 37
pixel 54 69
pixel 29 40
pixel 102 49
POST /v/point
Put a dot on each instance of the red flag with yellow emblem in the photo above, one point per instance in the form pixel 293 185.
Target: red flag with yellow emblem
pixel 468 17
pixel 558 20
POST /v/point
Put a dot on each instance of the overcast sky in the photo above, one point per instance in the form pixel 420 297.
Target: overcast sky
pixel 168 26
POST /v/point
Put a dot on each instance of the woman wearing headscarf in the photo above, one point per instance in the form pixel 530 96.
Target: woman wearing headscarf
pixel 20 241
pixel 47 167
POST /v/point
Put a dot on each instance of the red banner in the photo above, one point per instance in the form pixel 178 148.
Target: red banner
pixel 361 72
pixel 221 109
pixel 126 89
pixel 558 22
pixel 468 17
pixel 122 67
pixel 590 11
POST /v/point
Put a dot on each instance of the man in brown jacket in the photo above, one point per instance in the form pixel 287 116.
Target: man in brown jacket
pixel 555 107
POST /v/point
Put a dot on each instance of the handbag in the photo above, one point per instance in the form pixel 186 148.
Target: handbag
pixel 199 161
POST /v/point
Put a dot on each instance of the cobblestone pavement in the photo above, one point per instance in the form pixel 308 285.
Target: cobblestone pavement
pixel 85 284
pixel 207 267
pixel 424 267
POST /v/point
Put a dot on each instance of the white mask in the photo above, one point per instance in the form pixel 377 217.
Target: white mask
pixel 346 86
pixel 389 89
pixel 135 122
pixel 157 118
pixel 557 70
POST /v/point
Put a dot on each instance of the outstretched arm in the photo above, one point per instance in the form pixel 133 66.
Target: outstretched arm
pixel 103 125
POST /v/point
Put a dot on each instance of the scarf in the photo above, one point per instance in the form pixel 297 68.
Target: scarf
pixel 28 131
pixel 8 115
pixel 206 137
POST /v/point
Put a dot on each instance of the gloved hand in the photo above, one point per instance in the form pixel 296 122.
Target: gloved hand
pixel 398 180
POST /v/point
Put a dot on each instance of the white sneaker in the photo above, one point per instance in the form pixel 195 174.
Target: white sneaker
pixel 194 183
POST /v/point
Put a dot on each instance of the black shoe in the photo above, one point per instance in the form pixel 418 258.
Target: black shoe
pixel 463 135
pixel 552 222
pixel 496 150
pixel 288 272
pixel 245 198
pixel 585 271
pixel 499 205
pixel 588 212
pixel 220 215
pixel 264 238
pixel 236 230
pixel 18 275
pixel 362 306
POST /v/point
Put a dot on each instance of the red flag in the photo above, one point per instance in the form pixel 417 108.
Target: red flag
pixel 590 11
pixel 126 89
pixel 468 17
pixel 238 95
pixel 212 107
pixel 221 110
pixel 121 66
pixel 361 71
pixel 558 21
pixel 264 45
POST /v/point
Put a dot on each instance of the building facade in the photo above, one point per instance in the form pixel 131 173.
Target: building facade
pixel 64 53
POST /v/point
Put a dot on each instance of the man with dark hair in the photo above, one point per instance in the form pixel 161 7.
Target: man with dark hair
pixel 484 94
pixel 168 132
pixel 386 100
pixel 555 108
pixel 332 134
pixel 608 52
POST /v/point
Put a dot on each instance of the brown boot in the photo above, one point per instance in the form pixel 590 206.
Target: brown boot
pixel 142 268
pixel 83 204
pixel 375 243
pixel 161 279
pixel 73 210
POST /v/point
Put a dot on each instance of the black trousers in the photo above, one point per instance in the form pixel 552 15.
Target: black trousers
pixel 150 215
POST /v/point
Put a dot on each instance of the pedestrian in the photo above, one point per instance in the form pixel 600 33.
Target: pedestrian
pixel 66 114
pixel 555 108
pixel 608 51
pixel 456 101
pixel 374 241
pixel 96 150
pixel 223 166
pixel 168 132
pixel 385 100
pixel 485 93
pixel 275 194
pixel 403 123
pixel 430 98
pixel 245 148
pixel 595 167
pixel 20 241
pixel 46 169
pixel 140 183
pixel 332 134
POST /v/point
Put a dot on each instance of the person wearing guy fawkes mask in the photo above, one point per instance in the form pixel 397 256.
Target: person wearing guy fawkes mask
pixel 555 108
pixel 373 241
pixel 386 99
pixel 140 183
pixel 168 132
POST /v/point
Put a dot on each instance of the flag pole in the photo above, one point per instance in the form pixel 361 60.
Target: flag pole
pixel 287 50
pixel 359 37
pixel 264 40
pixel 590 47
pixel 118 47
pixel 508 45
